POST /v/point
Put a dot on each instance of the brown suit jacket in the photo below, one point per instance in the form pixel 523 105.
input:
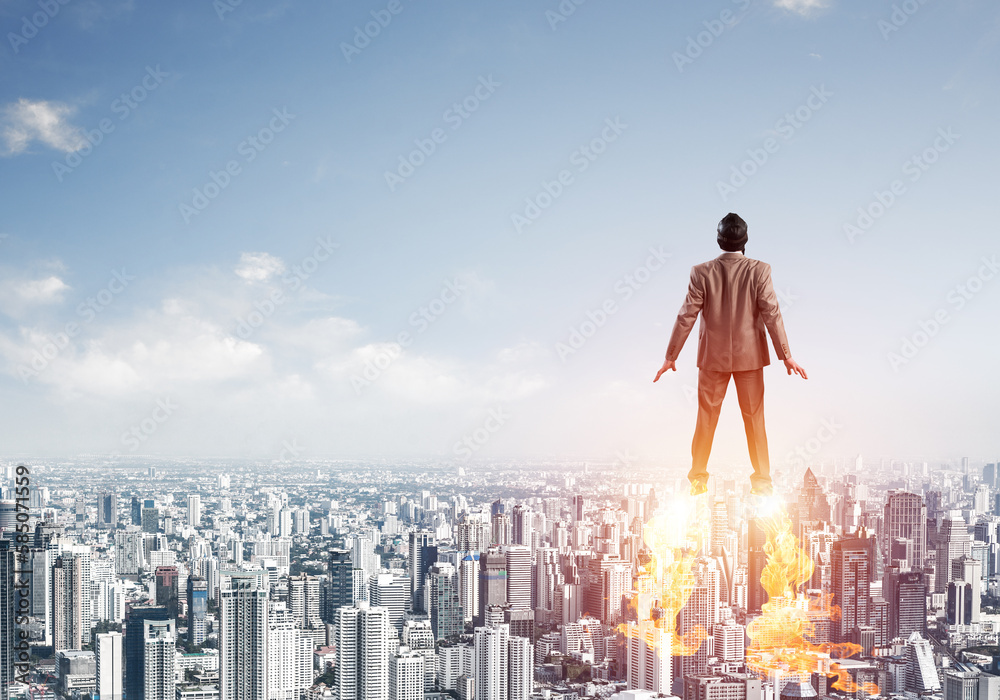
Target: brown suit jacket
pixel 737 302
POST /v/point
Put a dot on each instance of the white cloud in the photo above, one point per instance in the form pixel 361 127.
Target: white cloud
pixel 19 295
pixel 25 121
pixel 801 7
pixel 41 291
pixel 259 267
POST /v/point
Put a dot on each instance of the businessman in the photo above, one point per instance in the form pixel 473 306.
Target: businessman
pixel 736 300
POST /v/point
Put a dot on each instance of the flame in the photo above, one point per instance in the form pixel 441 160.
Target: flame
pixel 782 638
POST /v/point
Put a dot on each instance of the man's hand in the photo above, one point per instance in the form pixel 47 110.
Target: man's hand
pixel 793 366
pixel 669 364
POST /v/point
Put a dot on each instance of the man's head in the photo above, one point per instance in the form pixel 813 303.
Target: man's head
pixel 732 234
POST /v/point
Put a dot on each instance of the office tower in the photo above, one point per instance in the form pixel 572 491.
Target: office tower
pixel 964 591
pixel 521 667
pixel 136 511
pixel 406 675
pixel 290 650
pixel 197 609
pixel 107 510
pixel 422 554
pixel 418 636
pixel 194 510
pixel 110 665
pixel 362 670
pixel 952 542
pixel 519 576
pixel 813 505
pixel 441 592
pixel 67 603
pixel 906 518
pixel 502 530
pixel 130 551
pixel 730 641
pixel 647 649
pixel 159 665
pixel 135 649
pixel 151 519
pixel 303 600
pixel 521 525
pixel 921 675
pixel 701 609
pixel 492 582
pixel 340 584
pixel 7 617
pixel 392 593
pixel 906 592
pixel 468 585
pixel 363 554
pixel 166 588
pixel 492 657
pixel 243 636
pixel 850 561
pixel 756 561
pixel 616 586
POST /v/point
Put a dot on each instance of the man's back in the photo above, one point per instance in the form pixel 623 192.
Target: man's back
pixel 737 302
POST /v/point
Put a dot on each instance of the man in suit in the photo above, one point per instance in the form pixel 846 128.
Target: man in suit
pixel 737 303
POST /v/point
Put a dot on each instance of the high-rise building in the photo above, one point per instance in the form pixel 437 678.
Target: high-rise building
pixel 422 553
pixel 303 600
pixel 520 668
pixel 756 561
pixel 492 658
pixel 951 542
pixel 67 603
pixel 920 675
pixel 107 510
pixel 197 609
pixel 130 551
pixel 243 636
pixel 518 576
pixel 963 603
pixel 362 670
pixel 906 592
pixel 441 592
pixel 851 589
pixel 647 648
pixel 135 649
pixel 136 511
pixel 906 518
pixel 406 675
pixel 339 589
pixel 159 664
pixel 7 618
pixel 418 636
pixel 290 650
pixel 392 593
pixel 194 510
pixel 110 658
pixel 492 582
pixel 167 581
pixel 730 641
pixel 468 585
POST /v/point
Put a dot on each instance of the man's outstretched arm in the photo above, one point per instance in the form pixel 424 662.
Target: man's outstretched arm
pixel 770 312
pixel 685 321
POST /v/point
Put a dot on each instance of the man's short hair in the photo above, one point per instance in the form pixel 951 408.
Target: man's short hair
pixel 732 233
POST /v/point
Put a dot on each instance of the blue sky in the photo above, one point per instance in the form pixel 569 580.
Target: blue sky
pixel 244 239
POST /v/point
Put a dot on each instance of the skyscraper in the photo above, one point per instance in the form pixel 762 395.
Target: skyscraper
pixel 406 675
pixel 289 649
pixel 492 662
pixel 906 592
pixel 194 510
pixel 520 668
pixel 303 600
pixel 67 603
pixel 159 666
pixel 135 648
pixel 441 591
pixel 243 636
pixel 518 576
pixel 166 589
pixel 648 657
pixel 756 561
pixel 906 518
pixel 362 670
pixel 422 554
pixel 851 588
pixel 197 609
pixel 392 593
pixel 492 582
pixel 340 584
pixel 109 654
pixel 107 510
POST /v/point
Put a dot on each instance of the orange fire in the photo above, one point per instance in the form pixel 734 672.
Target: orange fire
pixel 780 637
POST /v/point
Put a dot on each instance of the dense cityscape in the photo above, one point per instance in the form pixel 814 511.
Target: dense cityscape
pixel 191 580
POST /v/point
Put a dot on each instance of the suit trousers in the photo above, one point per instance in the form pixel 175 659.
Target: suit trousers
pixel 750 392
